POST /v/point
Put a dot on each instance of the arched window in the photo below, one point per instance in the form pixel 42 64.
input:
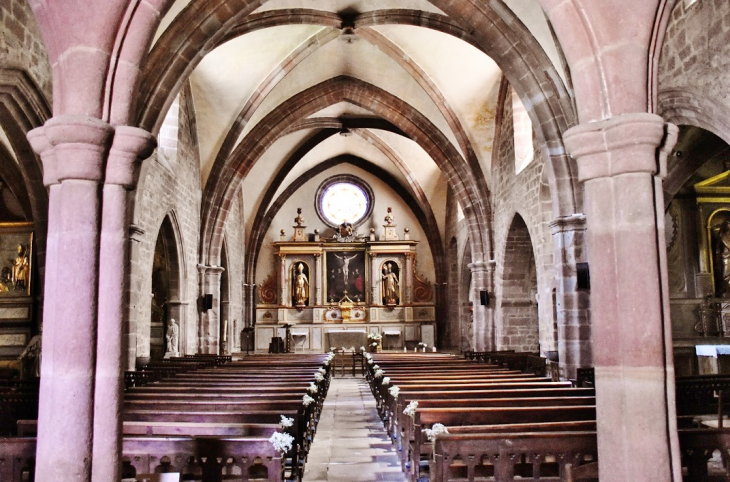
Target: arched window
pixel 522 126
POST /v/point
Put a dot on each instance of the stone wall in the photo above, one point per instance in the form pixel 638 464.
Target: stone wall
pixel 170 186
pixel 525 194
pixel 234 235
pixel 21 45
pixel 695 60
pixel 458 330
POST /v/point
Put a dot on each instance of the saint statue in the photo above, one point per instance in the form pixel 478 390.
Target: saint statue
pixel 389 220
pixel 301 287
pixel 722 260
pixel 171 337
pixel 299 220
pixel 390 286
pixel 21 269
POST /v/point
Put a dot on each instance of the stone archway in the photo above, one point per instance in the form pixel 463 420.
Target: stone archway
pixel 165 292
pixel 517 316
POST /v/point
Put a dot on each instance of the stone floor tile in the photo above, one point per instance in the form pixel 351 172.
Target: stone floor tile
pixel 351 445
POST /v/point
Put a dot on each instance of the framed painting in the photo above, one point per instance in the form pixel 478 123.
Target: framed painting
pixel 345 271
pixel 16 260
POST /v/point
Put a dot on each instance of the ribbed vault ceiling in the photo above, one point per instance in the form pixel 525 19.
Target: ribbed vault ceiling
pixel 408 48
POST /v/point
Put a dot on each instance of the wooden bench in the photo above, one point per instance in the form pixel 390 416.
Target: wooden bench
pixel 426 417
pixel 502 456
pixel 208 458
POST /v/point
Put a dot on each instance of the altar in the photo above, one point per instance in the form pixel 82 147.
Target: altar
pixel 346 339
pixel 336 291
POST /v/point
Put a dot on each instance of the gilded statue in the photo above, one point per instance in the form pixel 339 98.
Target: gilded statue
pixel 722 260
pixel 390 285
pixel 301 286
pixel 21 269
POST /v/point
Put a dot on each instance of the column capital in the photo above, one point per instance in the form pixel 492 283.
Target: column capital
pixel 623 144
pixel 205 269
pixel 80 144
pixel 130 146
pixel 43 147
pixel 482 266
pixel 573 222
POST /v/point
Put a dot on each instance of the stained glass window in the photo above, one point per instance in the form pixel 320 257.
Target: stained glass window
pixel 342 202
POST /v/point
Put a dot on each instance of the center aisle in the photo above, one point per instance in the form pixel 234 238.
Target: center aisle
pixel 351 444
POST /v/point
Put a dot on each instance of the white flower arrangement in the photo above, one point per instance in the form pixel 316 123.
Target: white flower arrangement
pixel 394 390
pixel 286 422
pixel 332 349
pixel 386 381
pixel 376 367
pixel 326 363
pixel 312 388
pixel 322 371
pixel 318 376
pixel 370 361
pixel 422 345
pixel 362 348
pixel 307 400
pixel 282 442
pixel 375 336
pixel 378 373
pixel 410 410
pixel 434 431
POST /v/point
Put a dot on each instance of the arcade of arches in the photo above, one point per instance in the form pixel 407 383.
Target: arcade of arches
pixel 154 155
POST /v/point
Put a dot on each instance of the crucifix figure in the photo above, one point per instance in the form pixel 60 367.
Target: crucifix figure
pixel 345 265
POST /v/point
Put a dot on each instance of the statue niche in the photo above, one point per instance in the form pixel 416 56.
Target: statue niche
pixel 300 284
pixel 390 283
pixel 720 249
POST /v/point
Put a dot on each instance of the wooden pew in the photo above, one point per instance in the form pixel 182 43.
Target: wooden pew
pixel 487 416
pixel 209 458
pixel 502 456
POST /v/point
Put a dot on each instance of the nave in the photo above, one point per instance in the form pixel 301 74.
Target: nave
pixel 351 443
pixel 353 416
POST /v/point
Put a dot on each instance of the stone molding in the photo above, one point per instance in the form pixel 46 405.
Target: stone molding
pixel 620 145
pixel 574 222
pixel 83 139
pixel 41 145
pixel 130 146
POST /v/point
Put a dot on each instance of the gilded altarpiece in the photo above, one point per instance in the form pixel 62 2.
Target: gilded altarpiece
pixel 359 286
pixel 16 287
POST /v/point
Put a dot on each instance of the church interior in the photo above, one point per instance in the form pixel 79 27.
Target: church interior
pixel 213 213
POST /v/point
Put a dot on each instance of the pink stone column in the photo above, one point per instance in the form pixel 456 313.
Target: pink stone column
pixel 622 161
pixel 483 315
pixel 122 171
pixel 208 330
pixel 573 305
pixel 49 384
pixel 65 425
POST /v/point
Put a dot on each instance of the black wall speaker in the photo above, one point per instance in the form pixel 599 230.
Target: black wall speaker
pixel 484 297
pixel 208 302
pixel 584 276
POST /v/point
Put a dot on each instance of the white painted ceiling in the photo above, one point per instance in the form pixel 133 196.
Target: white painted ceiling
pixel 406 61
